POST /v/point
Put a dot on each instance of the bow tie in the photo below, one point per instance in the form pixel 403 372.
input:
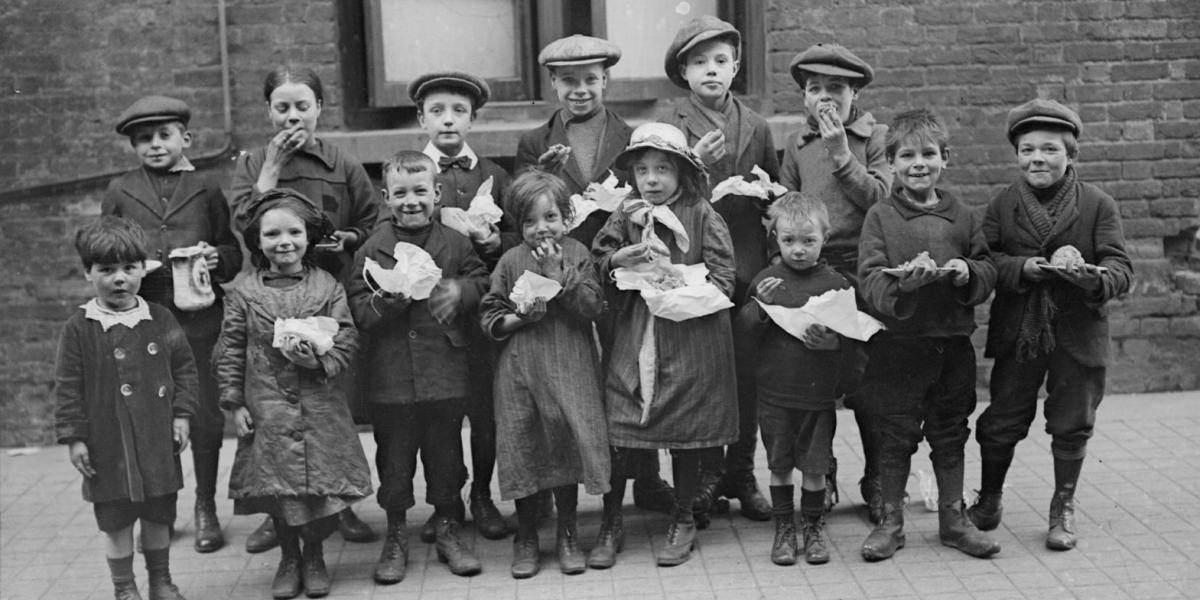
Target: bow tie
pixel 463 162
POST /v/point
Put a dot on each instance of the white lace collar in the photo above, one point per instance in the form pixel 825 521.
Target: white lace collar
pixel 107 318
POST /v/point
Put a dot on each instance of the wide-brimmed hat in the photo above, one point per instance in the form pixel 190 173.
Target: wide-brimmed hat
pixel 1043 112
pixel 659 136
pixel 579 50
pixel 693 33
pixel 474 88
pixel 832 59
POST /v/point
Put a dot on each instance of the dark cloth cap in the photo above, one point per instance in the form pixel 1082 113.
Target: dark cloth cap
pixel 1044 112
pixel 153 109
pixel 474 87
pixel 579 50
pixel 694 32
pixel 832 59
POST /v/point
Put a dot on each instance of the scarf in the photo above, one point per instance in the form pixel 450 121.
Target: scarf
pixel 1035 336
pixel 644 214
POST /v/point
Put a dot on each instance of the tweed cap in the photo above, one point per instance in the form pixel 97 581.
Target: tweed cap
pixel 579 50
pixel 659 136
pixel 1044 112
pixel 691 34
pixel 831 59
pixel 153 109
pixel 474 87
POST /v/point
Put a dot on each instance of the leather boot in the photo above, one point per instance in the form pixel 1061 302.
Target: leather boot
pixel 816 547
pixel 126 590
pixel 158 570
pixel 452 550
pixel 487 517
pixel 526 561
pixel 393 559
pixel 315 576
pixel 744 488
pixel 702 505
pixel 287 582
pixel 263 538
pixel 353 529
pixel 610 541
pixel 208 529
pixel 571 560
pixel 429 529
pixel 677 548
pixel 652 493
pixel 957 531
pixel 986 511
pixel 784 547
pixel 1062 522
pixel 888 535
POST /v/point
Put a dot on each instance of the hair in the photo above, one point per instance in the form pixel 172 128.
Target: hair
pixel 1070 142
pixel 522 194
pixel 728 38
pixel 451 88
pixel 110 240
pixel 919 125
pixel 286 74
pixel 796 208
pixel 693 182
pixel 316 224
pixel 410 161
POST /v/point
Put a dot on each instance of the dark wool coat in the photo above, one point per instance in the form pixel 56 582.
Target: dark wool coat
pixel 119 391
pixel 1081 321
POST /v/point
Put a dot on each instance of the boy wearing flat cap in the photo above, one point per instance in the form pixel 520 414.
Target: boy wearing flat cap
pixel 178 206
pixel 447 106
pixel 1060 256
pixel 731 139
pixel 838 156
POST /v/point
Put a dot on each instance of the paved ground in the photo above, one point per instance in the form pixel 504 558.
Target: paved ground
pixel 1139 501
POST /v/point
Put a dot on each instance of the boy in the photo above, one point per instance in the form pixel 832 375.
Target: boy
pixel 447 104
pixel 181 207
pixel 416 360
pixel 924 266
pixel 1047 324
pixel 838 157
pixel 125 390
pixel 797 378
pixel 731 139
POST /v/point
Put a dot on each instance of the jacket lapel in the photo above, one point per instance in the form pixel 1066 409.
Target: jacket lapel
pixel 141 190
pixel 558 135
pixel 185 192
pixel 612 145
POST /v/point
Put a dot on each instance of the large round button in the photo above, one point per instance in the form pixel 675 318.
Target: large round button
pixel 152 348
pixel 119 353
pixel 164 228
pixel 291 397
pixel 126 389
pixel 298 435
pixel 412 335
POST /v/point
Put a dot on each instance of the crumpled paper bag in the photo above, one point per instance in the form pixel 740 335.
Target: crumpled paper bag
pixel 318 331
pixel 414 275
pixel 476 221
pixel 673 292
pixel 529 287
pixel 835 309
pixel 606 196
pixel 190 279
pixel 762 188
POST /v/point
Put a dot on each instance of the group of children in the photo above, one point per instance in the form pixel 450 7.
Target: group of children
pixel 586 385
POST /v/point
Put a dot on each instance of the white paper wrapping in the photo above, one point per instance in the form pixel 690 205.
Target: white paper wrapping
pixel 606 196
pixel 835 309
pixel 414 275
pixel 318 331
pixel 737 185
pixel 697 296
pixel 529 287
pixel 476 221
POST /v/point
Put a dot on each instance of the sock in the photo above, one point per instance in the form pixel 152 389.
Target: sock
pixel 158 564
pixel 448 511
pixel 812 503
pixel 527 516
pixel 783 501
pixel 121 569
pixel 566 498
pixel 993 473
pixel 1066 475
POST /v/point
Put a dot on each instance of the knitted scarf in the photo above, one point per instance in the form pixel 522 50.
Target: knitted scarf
pixel 1035 336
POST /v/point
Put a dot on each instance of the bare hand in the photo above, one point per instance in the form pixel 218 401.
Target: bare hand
pixel 487 243
pixel 211 256
pixel 300 353
pixel 535 311
pixel 833 134
pixel 181 430
pixel 1086 277
pixel 80 458
pixel 444 300
pixel 819 337
pixel 632 255
pixel 392 302
pixel 554 159
pixel 711 147
pixel 285 143
pixel 917 275
pixel 243 423
pixel 962 273
pixel 1036 268
pixel 346 239
pixel 548 256
pixel 767 288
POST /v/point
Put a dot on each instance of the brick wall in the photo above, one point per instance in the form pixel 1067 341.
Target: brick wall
pixel 1131 68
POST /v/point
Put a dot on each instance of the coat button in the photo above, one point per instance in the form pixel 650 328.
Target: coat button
pixel 162 391
pixel 119 353
pixel 412 335
pixel 152 348
pixel 298 435
pixel 164 228
pixel 126 389
pixel 291 397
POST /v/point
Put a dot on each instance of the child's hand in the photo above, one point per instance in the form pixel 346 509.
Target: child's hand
pixel 392 302
pixel 181 427
pixel 443 301
pixel 243 423
pixel 345 239
pixel 489 243
pixel 632 255
pixel 300 353
pixel 962 274
pixel 833 133
pixel 548 256
pixel 819 337
pixel 80 458
pixel 1086 277
pixel 711 147
pixel 1036 268
pixel 767 288
pixel 554 159
pixel 210 255
pixel 535 312
pixel 918 275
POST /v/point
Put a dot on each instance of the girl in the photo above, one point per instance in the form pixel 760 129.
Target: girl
pixel 549 412
pixel 693 411
pixel 331 182
pixel 298 456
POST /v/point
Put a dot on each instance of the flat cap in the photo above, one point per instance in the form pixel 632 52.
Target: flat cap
pixel 153 109
pixel 659 136
pixel 1044 112
pixel 474 87
pixel 694 32
pixel 579 50
pixel 831 59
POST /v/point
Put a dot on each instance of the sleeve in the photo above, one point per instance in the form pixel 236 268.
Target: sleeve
pixel 979 263
pixel 111 204
pixel 364 210
pixel 1109 242
pixel 867 184
pixel 368 313
pixel 789 171
pixel 70 413
pixel 495 304
pixel 345 342
pixel 527 152
pixel 770 158
pixel 229 250
pixel 229 353
pixel 880 290
pixel 472 277
pixel 183 369
pixel 610 238
pixel 245 175
pixel 581 296
pixel 1008 267
pixel 751 320
pixel 717 253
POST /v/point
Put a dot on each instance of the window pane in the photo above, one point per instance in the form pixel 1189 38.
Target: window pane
pixel 643 30
pixel 476 36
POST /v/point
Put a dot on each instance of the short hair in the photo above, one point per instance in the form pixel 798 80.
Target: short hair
pixel 919 125
pixel 693 183
pixel 797 208
pixel 410 161
pixel 531 184
pixel 110 240
pixel 316 224
pixel 1070 142
pixel 287 74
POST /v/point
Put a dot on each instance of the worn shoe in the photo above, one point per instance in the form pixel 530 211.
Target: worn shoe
pixel 783 549
pixel 353 529
pixel 393 559
pixel 126 590
pixel 888 535
pixel 208 529
pixel 609 542
pixel 487 517
pixel 263 538
pixel 872 496
pixel 652 493
pixel 816 547
pixel 986 511
pixel 452 551
pixel 313 571
pixel 704 502
pixel 165 590
pixel 287 582
pixel 526 561
pixel 1062 522
pixel 677 548
pixel 754 505
pixel 957 531
pixel 571 560
pixel 429 530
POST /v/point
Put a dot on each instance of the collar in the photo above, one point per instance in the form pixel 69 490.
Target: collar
pixel 432 152
pixel 567 118
pixel 908 210
pixel 319 151
pixel 107 318
pixel 183 166
pixel 862 127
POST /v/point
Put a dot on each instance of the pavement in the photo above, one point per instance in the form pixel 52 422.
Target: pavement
pixel 1138 503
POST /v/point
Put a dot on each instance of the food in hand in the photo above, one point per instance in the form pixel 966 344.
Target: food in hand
pixel 921 260
pixel 1068 257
